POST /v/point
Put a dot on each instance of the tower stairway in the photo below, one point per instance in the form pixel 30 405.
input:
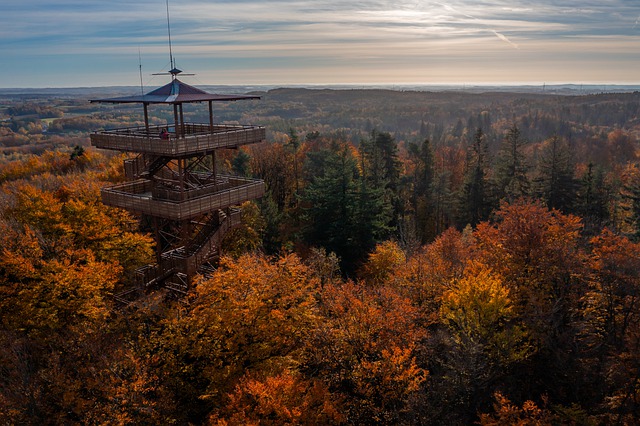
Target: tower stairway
pixel 144 165
pixel 154 165
pixel 177 265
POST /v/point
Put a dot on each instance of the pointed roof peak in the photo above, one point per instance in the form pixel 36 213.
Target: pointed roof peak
pixel 175 92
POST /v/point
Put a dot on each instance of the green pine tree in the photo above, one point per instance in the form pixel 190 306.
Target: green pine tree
pixel 343 212
pixel 592 200
pixel 554 182
pixel 511 168
pixel 421 196
pixel 381 168
pixel 474 203
pixel 241 164
pixel 631 192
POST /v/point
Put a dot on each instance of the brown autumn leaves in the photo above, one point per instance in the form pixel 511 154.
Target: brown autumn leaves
pixel 522 320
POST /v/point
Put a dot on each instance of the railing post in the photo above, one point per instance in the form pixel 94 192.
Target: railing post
pixel 211 116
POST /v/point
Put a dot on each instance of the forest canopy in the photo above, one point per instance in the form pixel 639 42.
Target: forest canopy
pixel 418 258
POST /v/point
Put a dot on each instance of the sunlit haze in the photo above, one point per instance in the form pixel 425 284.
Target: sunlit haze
pixel 102 43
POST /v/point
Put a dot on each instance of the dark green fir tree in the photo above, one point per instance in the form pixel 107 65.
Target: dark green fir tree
pixel 474 200
pixel 554 182
pixel 511 179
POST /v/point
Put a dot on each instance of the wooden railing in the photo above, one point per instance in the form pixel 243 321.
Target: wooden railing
pixel 162 193
pixel 209 242
pixel 198 138
pixel 136 196
pixel 134 167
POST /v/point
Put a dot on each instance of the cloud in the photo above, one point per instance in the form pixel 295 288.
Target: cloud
pixel 357 37
pixel 504 38
pixel 473 18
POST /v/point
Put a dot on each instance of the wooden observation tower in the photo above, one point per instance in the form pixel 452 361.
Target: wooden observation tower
pixel 173 183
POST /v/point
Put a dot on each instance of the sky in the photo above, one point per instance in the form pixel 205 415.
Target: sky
pixel 80 43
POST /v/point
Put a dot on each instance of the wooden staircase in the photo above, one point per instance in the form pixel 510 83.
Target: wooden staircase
pixel 176 265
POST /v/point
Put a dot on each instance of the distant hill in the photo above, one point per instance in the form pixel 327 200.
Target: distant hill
pixel 559 89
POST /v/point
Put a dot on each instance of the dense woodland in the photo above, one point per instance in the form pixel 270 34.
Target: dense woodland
pixel 419 258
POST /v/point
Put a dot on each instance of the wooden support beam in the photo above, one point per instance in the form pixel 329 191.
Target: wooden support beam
pixel 211 116
pixel 182 121
pixel 176 128
pixel 181 172
pixel 213 169
pixel 146 117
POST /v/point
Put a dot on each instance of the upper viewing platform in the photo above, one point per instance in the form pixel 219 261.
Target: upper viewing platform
pixel 182 138
pixel 190 139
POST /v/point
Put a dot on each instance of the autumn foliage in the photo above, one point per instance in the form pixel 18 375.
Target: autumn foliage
pixel 527 318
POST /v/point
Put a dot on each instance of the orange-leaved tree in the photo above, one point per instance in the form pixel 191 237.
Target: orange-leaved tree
pixel 366 350
pixel 63 255
pixel 506 413
pixel 252 315
pixel 286 398
pixel 428 273
pixel 610 324
pixel 536 252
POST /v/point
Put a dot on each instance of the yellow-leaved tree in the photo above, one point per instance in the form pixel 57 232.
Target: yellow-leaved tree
pixel 384 259
pixel 485 340
pixel 63 256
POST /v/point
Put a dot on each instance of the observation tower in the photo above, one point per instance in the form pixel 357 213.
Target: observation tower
pixel 174 185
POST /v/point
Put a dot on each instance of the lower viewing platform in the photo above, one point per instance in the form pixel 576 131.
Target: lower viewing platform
pixel 189 139
pixel 140 196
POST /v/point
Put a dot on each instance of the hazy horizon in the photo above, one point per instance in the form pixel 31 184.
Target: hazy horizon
pixel 567 88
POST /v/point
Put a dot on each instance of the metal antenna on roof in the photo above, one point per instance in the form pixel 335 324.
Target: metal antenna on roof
pixel 173 65
pixel 173 71
pixel 140 66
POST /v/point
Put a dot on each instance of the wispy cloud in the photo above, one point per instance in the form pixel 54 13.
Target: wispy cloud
pixel 473 18
pixel 504 38
pixel 417 39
